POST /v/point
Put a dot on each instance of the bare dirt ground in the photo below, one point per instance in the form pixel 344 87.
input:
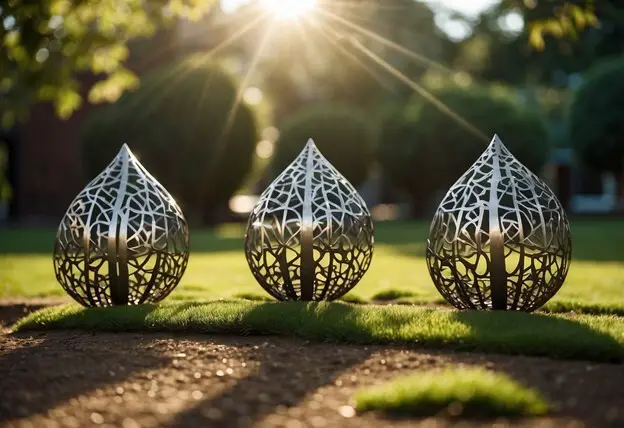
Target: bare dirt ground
pixel 78 379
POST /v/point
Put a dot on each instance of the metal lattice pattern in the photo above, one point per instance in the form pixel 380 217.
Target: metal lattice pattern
pixel 310 237
pixel 500 238
pixel 123 240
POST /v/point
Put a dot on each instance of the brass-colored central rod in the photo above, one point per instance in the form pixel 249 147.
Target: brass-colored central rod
pixel 307 230
pixel 498 272
pixel 117 241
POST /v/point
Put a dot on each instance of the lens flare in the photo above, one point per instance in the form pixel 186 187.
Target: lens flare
pixel 289 9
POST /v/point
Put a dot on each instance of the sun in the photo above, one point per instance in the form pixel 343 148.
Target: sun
pixel 289 9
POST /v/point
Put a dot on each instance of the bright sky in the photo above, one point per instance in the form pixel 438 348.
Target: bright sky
pixel 454 29
pixel 469 7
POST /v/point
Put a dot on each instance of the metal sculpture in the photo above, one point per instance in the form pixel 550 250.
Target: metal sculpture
pixel 310 236
pixel 123 240
pixel 500 239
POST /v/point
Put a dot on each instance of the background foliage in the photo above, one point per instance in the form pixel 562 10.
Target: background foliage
pixel 200 147
pixel 425 150
pixel 48 44
pixel 342 134
pixel 596 125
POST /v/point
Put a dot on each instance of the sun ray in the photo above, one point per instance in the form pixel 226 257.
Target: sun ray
pixel 218 24
pixel 289 9
pixel 252 67
pixel 421 90
pixel 360 5
pixel 221 141
pixel 175 74
pixel 334 42
pixel 389 43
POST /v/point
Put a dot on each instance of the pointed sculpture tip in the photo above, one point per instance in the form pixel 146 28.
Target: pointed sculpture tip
pixel 496 141
pixel 125 149
pixel 310 143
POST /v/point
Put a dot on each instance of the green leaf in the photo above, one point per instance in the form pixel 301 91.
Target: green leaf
pixel 107 59
pixel 67 102
pixel 536 37
pixel 111 89
pixel 554 27
pixel 11 39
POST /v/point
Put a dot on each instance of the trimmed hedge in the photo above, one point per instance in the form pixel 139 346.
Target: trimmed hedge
pixel 596 119
pixel 424 151
pixel 343 134
pixel 179 124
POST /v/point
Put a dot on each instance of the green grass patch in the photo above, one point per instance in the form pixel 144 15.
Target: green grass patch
pixel 218 270
pixel 471 392
pixel 392 294
pixel 560 307
pixel 598 338
pixel 254 297
pixel 353 298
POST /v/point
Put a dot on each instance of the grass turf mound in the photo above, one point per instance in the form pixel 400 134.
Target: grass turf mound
pixel 585 337
pixel 466 392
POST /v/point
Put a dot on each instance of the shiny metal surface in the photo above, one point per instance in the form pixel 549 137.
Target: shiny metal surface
pixel 500 239
pixel 310 236
pixel 123 240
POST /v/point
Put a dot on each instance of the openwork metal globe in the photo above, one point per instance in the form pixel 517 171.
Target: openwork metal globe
pixel 500 238
pixel 310 236
pixel 123 240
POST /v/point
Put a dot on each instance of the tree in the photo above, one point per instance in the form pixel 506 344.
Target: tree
pixel 596 120
pixel 48 44
pixel 187 127
pixel 318 59
pixel 424 151
pixel 558 40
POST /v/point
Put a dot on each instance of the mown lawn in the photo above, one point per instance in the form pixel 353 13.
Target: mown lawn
pixel 457 392
pixel 585 337
pixel 217 268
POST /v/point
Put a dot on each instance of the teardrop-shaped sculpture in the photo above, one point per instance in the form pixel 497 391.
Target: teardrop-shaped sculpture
pixel 500 239
pixel 123 240
pixel 310 236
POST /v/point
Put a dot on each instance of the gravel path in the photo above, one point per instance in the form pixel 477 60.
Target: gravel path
pixel 78 379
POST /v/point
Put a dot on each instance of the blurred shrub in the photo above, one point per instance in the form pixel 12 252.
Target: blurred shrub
pixel 424 151
pixel 179 124
pixel 596 119
pixel 343 134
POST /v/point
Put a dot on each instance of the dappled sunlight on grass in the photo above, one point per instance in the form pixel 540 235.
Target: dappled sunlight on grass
pixel 599 338
pixel 218 269
pixel 454 392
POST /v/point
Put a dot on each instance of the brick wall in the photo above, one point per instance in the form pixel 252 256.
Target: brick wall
pixel 49 167
pixel 49 170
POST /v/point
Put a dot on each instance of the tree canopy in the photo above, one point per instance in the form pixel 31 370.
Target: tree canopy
pixel 202 153
pixel 595 127
pixel 49 44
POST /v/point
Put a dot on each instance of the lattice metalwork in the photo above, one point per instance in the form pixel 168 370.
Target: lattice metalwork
pixel 310 237
pixel 500 238
pixel 123 240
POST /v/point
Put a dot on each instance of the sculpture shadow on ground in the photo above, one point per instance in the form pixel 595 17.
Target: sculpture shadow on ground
pixel 39 371
pixel 494 332
pixel 256 396
pixel 521 333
